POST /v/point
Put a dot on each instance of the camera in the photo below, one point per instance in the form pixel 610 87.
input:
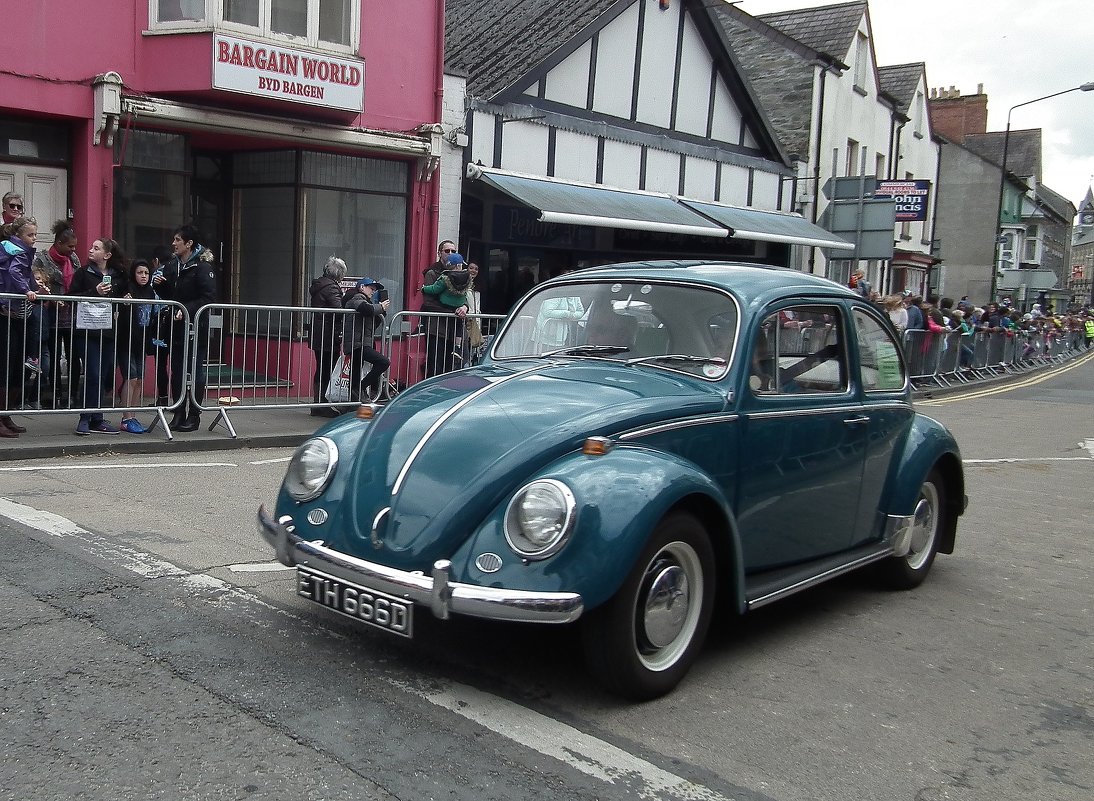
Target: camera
pixel 381 295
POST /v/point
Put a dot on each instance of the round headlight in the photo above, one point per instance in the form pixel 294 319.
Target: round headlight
pixel 311 469
pixel 540 518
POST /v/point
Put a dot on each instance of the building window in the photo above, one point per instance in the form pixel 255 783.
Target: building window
pixel 318 23
pixel 852 157
pixel 862 61
pixel 879 166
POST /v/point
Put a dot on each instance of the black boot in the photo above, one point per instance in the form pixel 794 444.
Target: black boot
pixel 178 419
pixel 191 423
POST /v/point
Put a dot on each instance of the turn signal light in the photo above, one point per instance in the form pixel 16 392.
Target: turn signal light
pixel 365 412
pixel 596 446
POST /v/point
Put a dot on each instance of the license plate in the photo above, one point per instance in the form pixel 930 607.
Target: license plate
pixel 352 600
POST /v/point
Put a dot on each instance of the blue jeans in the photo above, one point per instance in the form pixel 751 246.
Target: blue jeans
pixel 98 357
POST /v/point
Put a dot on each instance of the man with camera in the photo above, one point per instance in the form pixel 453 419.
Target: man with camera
pixel 369 300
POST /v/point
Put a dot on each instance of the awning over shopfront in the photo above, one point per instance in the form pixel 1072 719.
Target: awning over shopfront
pixel 769 226
pixel 601 207
pixel 563 202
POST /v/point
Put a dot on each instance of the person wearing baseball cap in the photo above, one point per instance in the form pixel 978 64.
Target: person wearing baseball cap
pixel 360 333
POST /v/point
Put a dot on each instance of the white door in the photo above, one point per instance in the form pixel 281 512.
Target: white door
pixel 45 194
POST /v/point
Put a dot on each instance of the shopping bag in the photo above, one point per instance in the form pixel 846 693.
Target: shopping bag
pixel 93 316
pixel 338 388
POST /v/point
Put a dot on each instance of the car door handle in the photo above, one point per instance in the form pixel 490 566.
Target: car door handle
pixel 857 421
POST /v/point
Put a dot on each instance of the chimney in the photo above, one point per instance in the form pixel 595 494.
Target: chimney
pixel 955 115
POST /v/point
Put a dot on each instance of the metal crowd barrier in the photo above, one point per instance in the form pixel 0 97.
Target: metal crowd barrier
pixel 942 358
pixel 234 357
pixel 67 354
pixel 424 344
pixel 280 357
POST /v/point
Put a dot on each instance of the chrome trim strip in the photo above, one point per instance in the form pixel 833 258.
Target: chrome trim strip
pixel 434 591
pixel 802 412
pixel 865 407
pixel 374 535
pixel 685 423
pixel 820 578
pixel 446 416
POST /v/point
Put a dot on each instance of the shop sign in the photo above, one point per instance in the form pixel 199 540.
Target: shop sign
pixel 285 73
pixel 910 198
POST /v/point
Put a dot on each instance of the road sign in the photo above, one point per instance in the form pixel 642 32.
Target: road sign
pixel 850 187
pixel 866 222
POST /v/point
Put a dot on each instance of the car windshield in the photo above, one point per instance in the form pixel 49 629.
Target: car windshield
pixel 690 329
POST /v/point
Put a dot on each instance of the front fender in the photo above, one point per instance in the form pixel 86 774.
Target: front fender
pixel 930 445
pixel 620 497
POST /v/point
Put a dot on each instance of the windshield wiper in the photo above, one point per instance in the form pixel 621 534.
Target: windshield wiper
pixel 679 357
pixel 577 350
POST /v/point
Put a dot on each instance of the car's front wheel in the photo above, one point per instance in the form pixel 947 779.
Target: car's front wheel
pixel 908 571
pixel 642 642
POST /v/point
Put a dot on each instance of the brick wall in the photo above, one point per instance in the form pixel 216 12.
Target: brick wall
pixel 954 117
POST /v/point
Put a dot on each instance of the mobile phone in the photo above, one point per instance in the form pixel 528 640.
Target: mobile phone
pixel 107 279
pixel 382 295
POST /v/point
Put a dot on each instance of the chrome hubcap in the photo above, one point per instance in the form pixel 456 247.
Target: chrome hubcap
pixel 924 527
pixel 666 606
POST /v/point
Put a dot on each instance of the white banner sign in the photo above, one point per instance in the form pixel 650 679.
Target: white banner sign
pixel 283 73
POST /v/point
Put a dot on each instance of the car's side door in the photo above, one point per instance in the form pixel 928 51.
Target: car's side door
pixel 803 439
pixel 883 378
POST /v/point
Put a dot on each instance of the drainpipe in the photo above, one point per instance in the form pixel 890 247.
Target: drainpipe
pixel 429 188
pixel 817 164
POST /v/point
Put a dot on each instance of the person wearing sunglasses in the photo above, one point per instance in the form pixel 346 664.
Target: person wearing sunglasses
pixel 13 207
pixel 440 331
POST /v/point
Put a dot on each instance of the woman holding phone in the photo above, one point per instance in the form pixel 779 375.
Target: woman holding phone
pixel 102 277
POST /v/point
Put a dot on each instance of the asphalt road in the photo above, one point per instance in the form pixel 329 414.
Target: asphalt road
pixel 152 651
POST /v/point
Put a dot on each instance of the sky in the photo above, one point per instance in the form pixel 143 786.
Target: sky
pixel 1019 50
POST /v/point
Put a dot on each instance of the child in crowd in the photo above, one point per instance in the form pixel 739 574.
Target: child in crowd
pixel 133 340
pixel 451 288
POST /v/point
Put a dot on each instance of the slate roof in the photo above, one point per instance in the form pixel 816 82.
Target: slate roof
pixel 1023 151
pixel 1059 204
pixel 900 81
pixel 1088 201
pixel 494 42
pixel 780 71
pixel 827 29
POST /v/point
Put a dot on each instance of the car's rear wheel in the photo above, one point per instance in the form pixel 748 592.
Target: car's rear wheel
pixel 642 642
pixel 928 521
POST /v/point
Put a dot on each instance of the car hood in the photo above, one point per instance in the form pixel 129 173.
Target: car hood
pixel 444 453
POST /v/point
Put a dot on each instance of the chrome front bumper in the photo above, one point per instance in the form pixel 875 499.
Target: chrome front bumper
pixel 434 591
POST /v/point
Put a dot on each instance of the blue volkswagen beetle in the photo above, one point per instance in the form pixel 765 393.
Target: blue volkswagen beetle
pixel 644 444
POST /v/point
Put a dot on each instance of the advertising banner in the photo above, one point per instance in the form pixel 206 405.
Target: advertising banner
pixel 910 198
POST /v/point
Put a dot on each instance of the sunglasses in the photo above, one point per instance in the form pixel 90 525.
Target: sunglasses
pixel 15 206
pixel 449 250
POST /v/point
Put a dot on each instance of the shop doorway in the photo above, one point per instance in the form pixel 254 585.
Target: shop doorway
pixel 44 191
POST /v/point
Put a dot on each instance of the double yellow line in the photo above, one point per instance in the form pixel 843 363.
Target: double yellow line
pixel 1078 361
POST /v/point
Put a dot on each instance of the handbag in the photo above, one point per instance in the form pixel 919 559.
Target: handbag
pixel 93 315
pixel 338 388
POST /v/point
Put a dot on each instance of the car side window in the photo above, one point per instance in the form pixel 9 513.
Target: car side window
pixel 879 355
pixel 799 351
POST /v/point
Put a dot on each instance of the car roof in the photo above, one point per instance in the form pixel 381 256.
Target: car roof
pixel 749 282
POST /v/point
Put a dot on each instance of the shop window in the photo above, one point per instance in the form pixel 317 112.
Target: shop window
pixel 367 231
pixel 151 150
pixel 33 141
pixel 149 206
pixel 267 167
pixel 354 172
pixel 319 23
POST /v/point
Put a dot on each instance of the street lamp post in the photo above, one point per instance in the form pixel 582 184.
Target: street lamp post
pixel 1086 87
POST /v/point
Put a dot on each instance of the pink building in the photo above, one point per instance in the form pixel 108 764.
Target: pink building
pixel 287 130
